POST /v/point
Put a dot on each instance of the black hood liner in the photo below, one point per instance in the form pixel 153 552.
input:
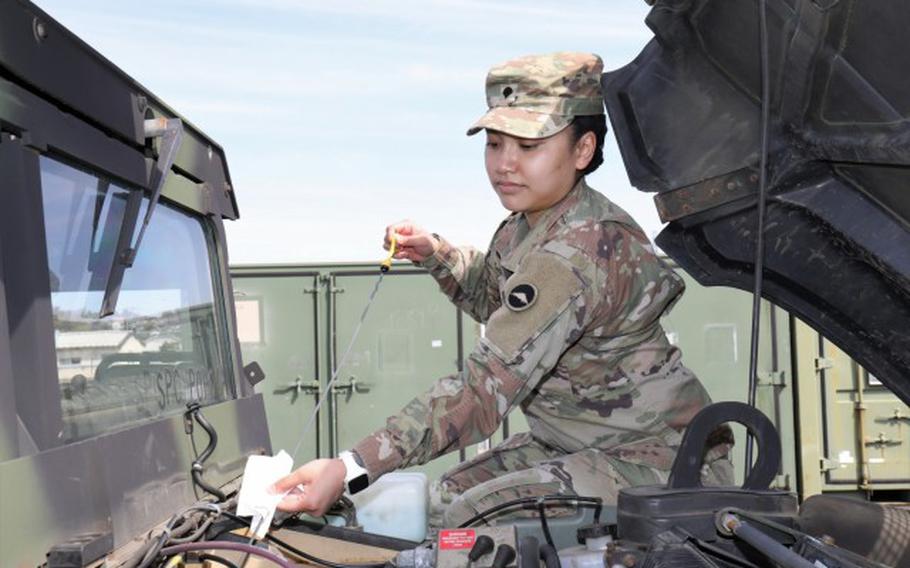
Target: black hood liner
pixel 686 115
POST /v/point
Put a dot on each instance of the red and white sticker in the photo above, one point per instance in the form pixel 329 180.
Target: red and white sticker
pixel 456 539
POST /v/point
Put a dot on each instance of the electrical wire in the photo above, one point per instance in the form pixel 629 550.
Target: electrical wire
pixel 195 458
pixel 226 545
pixel 197 534
pixel 544 526
pixel 174 530
pixel 760 235
pixel 579 500
pixel 153 551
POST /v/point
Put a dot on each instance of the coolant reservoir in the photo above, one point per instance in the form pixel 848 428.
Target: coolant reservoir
pixel 396 505
pixel 596 539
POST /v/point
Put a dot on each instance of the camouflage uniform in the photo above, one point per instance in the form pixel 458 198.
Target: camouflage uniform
pixel 572 309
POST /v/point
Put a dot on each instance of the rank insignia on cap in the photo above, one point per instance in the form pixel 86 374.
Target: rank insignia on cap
pixel 521 297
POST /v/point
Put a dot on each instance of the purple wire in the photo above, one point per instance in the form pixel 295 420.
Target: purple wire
pixel 226 545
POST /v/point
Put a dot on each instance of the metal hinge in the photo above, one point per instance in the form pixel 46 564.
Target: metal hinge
pixel 781 482
pixel 828 465
pixel 322 281
pixel 822 363
pixel 326 281
pixel 772 379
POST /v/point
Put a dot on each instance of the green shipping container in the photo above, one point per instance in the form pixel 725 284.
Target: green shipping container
pixel 297 321
pixel 840 430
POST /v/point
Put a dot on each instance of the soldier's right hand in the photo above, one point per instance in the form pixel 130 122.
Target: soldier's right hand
pixel 312 488
pixel 414 242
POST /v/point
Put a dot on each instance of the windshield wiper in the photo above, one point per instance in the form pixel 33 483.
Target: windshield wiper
pixel 170 130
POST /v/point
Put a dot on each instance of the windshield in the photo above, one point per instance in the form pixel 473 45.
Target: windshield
pixel 162 347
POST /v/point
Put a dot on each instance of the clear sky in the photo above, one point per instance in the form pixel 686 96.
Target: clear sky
pixel 341 116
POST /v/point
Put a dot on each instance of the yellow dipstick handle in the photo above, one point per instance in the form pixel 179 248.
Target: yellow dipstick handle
pixel 387 263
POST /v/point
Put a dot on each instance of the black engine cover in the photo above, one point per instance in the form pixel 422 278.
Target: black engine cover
pixel 645 512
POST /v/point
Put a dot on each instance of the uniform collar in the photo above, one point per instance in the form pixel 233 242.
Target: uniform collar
pixel 526 237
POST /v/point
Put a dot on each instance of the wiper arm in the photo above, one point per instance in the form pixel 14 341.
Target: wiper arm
pixel 170 130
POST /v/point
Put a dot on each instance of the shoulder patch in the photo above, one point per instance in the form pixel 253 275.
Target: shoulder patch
pixel 537 294
pixel 521 297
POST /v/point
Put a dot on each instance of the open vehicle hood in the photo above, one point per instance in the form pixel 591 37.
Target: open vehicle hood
pixel 686 114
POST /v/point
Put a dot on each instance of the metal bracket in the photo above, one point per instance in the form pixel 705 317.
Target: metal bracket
pixel 253 373
pixel 823 363
pixel 898 417
pixel 80 550
pixel 881 441
pixel 706 194
pixel 310 387
pixel 781 482
pixel 352 386
pixel 772 379
pixel 827 465
pixel 170 130
pixel 299 386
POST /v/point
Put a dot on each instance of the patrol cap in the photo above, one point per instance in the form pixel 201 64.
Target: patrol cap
pixel 537 96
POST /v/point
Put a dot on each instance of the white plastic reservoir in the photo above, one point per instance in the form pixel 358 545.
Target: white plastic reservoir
pixel 590 555
pixel 396 505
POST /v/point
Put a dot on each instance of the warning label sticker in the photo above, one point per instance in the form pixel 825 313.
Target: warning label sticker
pixel 456 539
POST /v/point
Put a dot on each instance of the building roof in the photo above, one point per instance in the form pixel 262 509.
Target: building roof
pixel 90 339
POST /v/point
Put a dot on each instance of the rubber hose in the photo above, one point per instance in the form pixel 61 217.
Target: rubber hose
pixel 549 556
pixel 528 552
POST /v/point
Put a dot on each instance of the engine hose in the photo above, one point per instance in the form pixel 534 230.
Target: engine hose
pixel 549 556
pixel 194 411
pixel 577 500
pixel 224 545
pixel 773 550
pixel 528 552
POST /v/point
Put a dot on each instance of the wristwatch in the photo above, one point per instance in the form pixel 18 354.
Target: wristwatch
pixel 355 477
pixel 438 241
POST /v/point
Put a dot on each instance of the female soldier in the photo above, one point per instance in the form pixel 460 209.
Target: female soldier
pixel 571 294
